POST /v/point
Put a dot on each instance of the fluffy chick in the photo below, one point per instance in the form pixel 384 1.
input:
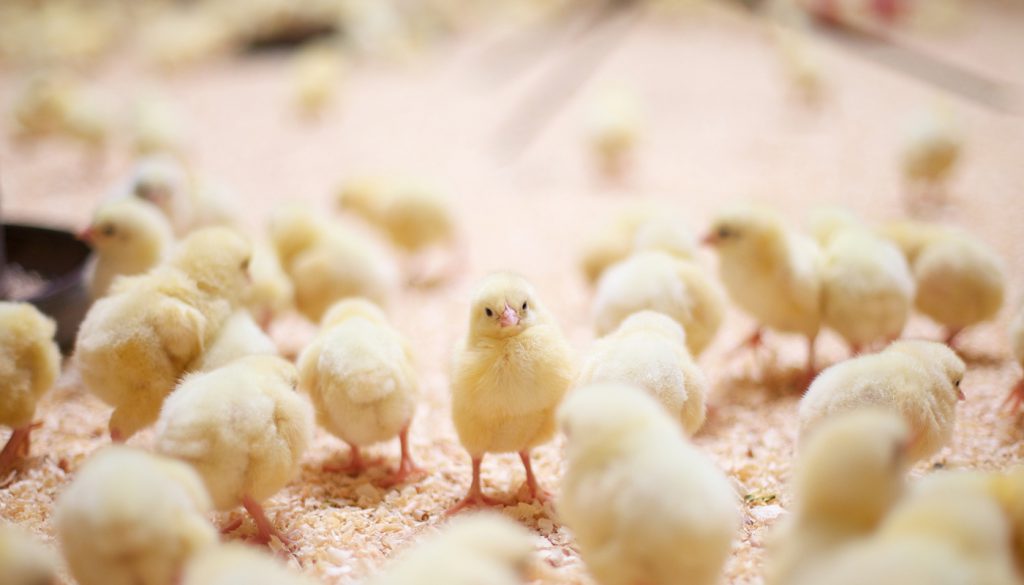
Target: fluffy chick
pixel 648 351
pixel 189 202
pixel 656 281
pixel 850 472
pixel 240 336
pixel 920 380
pixel 635 229
pixel 889 562
pixel 613 128
pixel 317 73
pixel 960 281
pixel 771 272
pixel 135 343
pixel 474 549
pixel 24 561
pixel 359 374
pixel 508 376
pixel 235 564
pixel 327 264
pixel 243 428
pixel 1016 395
pixel 272 293
pixel 933 146
pixel 157 126
pixel 132 518
pixel 129 237
pixel 621 444
pixel 29 365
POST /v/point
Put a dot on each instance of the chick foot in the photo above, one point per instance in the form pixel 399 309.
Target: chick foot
pixel 17 448
pixel 536 492
pixel 1014 399
pixel 265 529
pixel 407 469
pixel 475 496
pixel 356 464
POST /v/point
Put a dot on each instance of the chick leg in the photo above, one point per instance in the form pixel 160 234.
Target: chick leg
pixel 17 448
pixel 754 341
pixel 475 496
pixel 952 334
pixel 407 469
pixel 265 529
pixel 356 464
pixel 1015 398
pixel 810 370
pixel 536 491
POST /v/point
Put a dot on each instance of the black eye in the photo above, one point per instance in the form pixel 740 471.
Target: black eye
pixel 108 230
pixel 488 312
pixel 245 264
pixel 524 305
pixel 723 232
pixel 958 382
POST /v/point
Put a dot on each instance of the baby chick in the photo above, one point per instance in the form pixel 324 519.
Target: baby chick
pixel 240 336
pixel 932 149
pixel 474 549
pixel 317 72
pixel 771 272
pixel 157 127
pixel 849 474
pixel 621 444
pixel 129 237
pixel 920 380
pixel 237 564
pixel 243 428
pixel 960 281
pixel 888 562
pixel 189 202
pixel 636 229
pixel 23 561
pixel 132 518
pixel 360 377
pixel 327 264
pixel 508 376
pixel 648 351
pixel 29 365
pixel 1016 395
pixel 135 343
pixel 656 281
pixel 272 293
pixel 613 128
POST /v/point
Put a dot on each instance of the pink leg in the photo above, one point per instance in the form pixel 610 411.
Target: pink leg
pixel 754 341
pixel 231 526
pixel 355 464
pixel 810 370
pixel 407 468
pixel 265 530
pixel 1015 398
pixel 536 491
pixel 475 496
pixel 17 448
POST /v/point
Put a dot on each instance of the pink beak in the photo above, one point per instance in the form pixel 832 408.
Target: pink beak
pixel 711 239
pixel 87 235
pixel 509 317
pixel 960 394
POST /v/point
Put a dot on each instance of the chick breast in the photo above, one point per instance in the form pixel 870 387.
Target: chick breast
pixel 339 268
pixel 23 561
pixel 235 564
pixel 29 361
pixel 960 282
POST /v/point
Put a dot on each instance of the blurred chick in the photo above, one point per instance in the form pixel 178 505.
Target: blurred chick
pixel 317 72
pixel 960 281
pixel 238 564
pixel 158 128
pixel 933 146
pixel 475 549
pixel 359 374
pixel 771 272
pixel 129 237
pixel 132 518
pixel 849 474
pixel 635 229
pixel 135 343
pixel 656 281
pixel 327 264
pixel 243 428
pixel 29 365
pixel 23 560
pixel 889 562
pixel 238 337
pixel 55 103
pixel 189 202
pixel 1016 396
pixel 272 293
pixel 645 505
pixel 648 351
pixel 801 63
pixel 508 376
pixel 919 380
pixel 613 128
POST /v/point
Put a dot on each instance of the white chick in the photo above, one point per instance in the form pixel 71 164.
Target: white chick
pixel 129 237
pixel 648 351
pixel 359 374
pixel 1016 395
pixel 656 281
pixel 850 472
pixel 317 73
pixel 919 380
pixel 645 505
pixel 933 146
pixel 771 272
pixel 238 564
pixel 471 550
pixel 136 342
pixel 157 127
pixel 635 229
pixel 508 376
pixel 243 427
pixel 889 562
pixel 24 561
pixel 240 336
pixel 272 293
pixel 132 518
pixel 29 365
pixel 613 128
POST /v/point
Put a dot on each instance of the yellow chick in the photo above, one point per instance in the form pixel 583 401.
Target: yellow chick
pixel 920 380
pixel 889 562
pixel 238 337
pixel 272 293
pixel 635 229
pixel 237 564
pixel 135 343
pixel 55 103
pixel 613 128
pixel 648 351
pixel 508 376
pixel 360 377
pixel 243 427
pixel 471 550
pixel 189 202
pixel 771 272
pixel 960 281
pixel 29 365
pixel 645 505
pixel 656 281
pixel 933 146
pixel 23 560
pixel 850 472
pixel 132 518
pixel 129 237
pixel 157 127
pixel 327 264
pixel 801 63
pixel 1016 395
pixel 317 72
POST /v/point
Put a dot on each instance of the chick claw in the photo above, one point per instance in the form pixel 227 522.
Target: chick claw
pixel 474 500
pixel 1014 399
pixel 17 448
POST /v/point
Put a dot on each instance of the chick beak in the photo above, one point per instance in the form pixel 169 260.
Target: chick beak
pixel 960 394
pixel 509 317
pixel 88 235
pixel 711 239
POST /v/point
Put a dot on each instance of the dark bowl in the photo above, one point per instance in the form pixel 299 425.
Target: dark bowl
pixel 59 259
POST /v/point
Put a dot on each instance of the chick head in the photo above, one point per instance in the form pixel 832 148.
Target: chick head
pixel 652 322
pixel 270 366
pixel 360 194
pixel 504 305
pixel 940 359
pixel 217 258
pixel 346 309
pixel 158 180
pixel 851 468
pixel 743 229
pixel 494 537
pixel 124 224
pixel 600 417
pixel 293 229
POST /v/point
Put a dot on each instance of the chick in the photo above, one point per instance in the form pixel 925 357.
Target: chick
pixel 771 272
pixel 920 380
pixel 157 127
pixel 360 376
pixel 317 72
pixel 243 428
pixel 189 202
pixel 235 564
pixel 471 550
pixel 613 129
pixel 55 103
pixel 1016 395
pixel 636 229
pixel 326 264
pixel 850 472
pixel 933 146
pixel 29 365
pixel 135 343
pixel 23 561
pixel 887 562
pixel 656 281
pixel 132 518
pixel 238 337
pixel 621 444
pixel 508 376
pixel 272 293
pixel 129 237
pixel 648 351
pixel 960 281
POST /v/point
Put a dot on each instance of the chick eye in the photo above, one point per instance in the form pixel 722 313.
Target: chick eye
pixel 724 232
pixel 958 382
pixel 245 264
pixel 524 305
pixel 488 312
pixel 108 230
